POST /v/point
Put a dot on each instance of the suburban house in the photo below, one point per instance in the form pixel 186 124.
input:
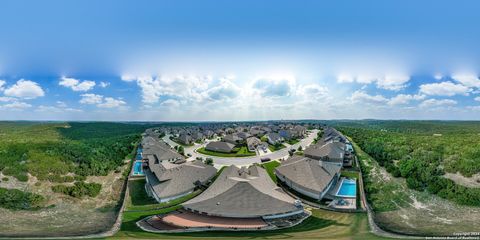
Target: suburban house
pixel 243 135
pixel 209 134
pixel 167 174
pixel 220 147
pixel 244 193
pixel 197 136
pixel 257 132
pixel 285 134
pixel 253 143
pixel 299 131
pixel 167 181
pixel 159 151
pixel 185 139
pixel 307 176
pixel 274 138
pixel 232 138
pixel 333 152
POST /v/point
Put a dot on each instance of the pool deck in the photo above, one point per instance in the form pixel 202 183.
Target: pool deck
pixel 349 202
pixel 134 173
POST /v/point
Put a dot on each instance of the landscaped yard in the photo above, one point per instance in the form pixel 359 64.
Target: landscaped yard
pixel 293 141
pixel 276 147
pixel 242 152
pixel 270 167
pixel 180 143
pixel 321 225
pixel 139 200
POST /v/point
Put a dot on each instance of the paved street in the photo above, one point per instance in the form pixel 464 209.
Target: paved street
pixel 241 161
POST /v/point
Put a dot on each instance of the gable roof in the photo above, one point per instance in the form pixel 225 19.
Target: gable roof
pixel 220 146
pixel 243 193
pixel 332 150
pixel 168 179
pixel 161 150
pixel 308 173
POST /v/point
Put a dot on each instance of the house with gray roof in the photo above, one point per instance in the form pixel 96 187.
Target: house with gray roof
pixel 307 176
pixel 333 152
pixel 274 138
pixel 244 193
pixel 232 138
pixel 243 135
pixel 224 147
pixel 168 181
pixel 185 139
pixel 159 150
pixel 253 143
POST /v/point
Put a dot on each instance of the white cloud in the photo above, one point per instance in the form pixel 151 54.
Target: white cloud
pixel 469 80
pixel 128 77
pixel 477 99
pixel 314 91
pixel 76 85
pixel 7 99
pixel 25 89
pixel 185 88
pixel 438 76
pixel 361 96
pixel 90 98
pixel 268 87
pixel 170 103
pixel 100 101
pixel 61 104
pixel 392 82
pixel 404 99
pixel 16 106
pixel 104 84
pixel 48 109
pixel 225 90
pixel 444 89
pixel 437 103
pixel 110 102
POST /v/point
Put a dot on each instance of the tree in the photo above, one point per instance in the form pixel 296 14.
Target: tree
pixel 208 161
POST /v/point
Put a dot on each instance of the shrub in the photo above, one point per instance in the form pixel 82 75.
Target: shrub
pixel 79 189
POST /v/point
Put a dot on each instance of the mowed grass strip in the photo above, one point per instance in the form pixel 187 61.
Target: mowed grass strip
pixel 242 152
pixel 321 225
pixel 270 168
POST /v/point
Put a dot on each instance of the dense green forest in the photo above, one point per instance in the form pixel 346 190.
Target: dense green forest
pixel 422 151
pixel 65 152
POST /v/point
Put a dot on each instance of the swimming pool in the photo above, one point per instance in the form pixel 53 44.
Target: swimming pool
pixel 139 154
pixel 137 168
pixel 348 188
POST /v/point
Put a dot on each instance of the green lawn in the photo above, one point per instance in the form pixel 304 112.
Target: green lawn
pixel 349 174
pixel 293 141
pixel 270 167
pixel 140 201
pixel 180 143
pixel 321 225
pixel 242 152
pixel 276 147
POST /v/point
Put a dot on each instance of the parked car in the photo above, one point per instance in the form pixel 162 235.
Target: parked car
pixel 265 159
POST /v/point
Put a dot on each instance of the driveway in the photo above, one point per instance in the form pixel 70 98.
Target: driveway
pixel 243 161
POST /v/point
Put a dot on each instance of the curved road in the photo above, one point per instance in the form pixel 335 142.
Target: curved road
pixel 241 161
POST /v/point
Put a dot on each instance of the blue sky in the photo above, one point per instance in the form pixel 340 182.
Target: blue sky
pixel 239 60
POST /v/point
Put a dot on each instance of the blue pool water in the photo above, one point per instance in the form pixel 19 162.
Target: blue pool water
pixel 137 168
pixel 348 188
pixel 139 154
